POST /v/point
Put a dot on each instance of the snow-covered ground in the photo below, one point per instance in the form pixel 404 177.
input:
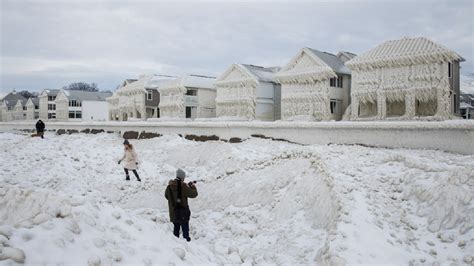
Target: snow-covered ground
pixel 64 200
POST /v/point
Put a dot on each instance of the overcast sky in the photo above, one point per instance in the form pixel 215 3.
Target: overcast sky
pixel 48 44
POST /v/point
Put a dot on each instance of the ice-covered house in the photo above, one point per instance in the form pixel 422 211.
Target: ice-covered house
pixel 189 96
pixel 13 107
pixel 410 78
pixel 32 108
pixel 137 98
pixel 248 92
pixel 47 104
pixel 315 85
pixel 77 105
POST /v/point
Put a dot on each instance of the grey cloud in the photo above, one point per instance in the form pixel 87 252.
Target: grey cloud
pixel 48 44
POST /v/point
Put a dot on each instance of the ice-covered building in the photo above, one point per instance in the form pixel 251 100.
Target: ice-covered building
pixel 189 96
pixel 410 78
pixel 47 104
pixel 248 92
pixel 467 105
pixel 77 105
pixel 137 98
pixel 315 85
pixel 15 106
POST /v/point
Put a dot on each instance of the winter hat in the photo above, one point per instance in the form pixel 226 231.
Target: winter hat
pixel 126 142
pixel 180 174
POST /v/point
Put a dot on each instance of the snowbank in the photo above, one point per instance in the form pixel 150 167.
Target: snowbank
pixel 64 201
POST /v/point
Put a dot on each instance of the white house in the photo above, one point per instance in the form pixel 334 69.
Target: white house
pixel 410 78
pixel 14 106
pixel 248 92
pixel 77 105
pixel 137 98
pixel 315 85
pixel 190 96
pixel 47 104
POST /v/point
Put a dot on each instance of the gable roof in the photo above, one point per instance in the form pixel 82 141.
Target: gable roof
pixel 86 95
pixel 405 51
pixel 158 80
pixel 12 98
pixel 332 61
pixel 53 92
pixel 261 73
pixel 311 65
pixel 190 81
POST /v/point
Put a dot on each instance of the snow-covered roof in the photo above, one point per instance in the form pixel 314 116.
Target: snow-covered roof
pixel 53 92
pixel 312 65
pixel 262 73
pixel 135 85
pixel 12 99
pixel 86 95
pixel 406 51
pixel 158 80
pixel 190 81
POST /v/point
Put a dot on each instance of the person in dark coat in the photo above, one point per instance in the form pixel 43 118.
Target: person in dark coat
pixel 40 128
pixel 177 193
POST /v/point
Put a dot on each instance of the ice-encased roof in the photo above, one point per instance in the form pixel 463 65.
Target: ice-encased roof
pixel 191 81
pixel 157 80
pixel 331 60
pixel 404 52
pixel 86 95
pixel 262 73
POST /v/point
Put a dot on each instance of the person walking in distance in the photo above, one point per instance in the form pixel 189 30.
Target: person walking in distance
pixel 177 193
pixel 130 160
pixel 39 129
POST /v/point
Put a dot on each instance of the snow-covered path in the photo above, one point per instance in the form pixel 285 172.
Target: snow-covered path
pixel 65 200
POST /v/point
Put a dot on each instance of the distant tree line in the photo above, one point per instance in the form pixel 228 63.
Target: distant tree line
pixel 81 86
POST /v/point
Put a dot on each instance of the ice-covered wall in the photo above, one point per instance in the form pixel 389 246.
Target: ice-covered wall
pixel 94 111
pixel 207 103
pixel 452 136
pixel 172 102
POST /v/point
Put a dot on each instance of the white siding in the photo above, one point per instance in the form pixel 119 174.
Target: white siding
pixel 94 111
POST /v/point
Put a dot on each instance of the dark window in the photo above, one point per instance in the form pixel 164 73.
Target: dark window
pixel 450 69
pixel 51 98
pixel 78 114
pixel 191 92
pixel 188 112
pixel 71 114
pixel 24 108
pixel 149 95
pixel 336 82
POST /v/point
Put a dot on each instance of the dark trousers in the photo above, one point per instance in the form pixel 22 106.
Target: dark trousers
pixel 184 226
pixel 134 172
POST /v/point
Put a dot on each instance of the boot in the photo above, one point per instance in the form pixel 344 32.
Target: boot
pixel 127 178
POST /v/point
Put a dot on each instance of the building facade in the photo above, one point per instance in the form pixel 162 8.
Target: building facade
pixel 137 98
pixel 248 92
pixel 315 85
pixel 467 106
pixel 77 105
pixel 411 78
pixel 14 107
pixel 189 96
pixel 47 104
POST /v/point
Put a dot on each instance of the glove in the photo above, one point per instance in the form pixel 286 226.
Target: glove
pixel 119 161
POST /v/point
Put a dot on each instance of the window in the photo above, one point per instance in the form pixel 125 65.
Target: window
pixel 51 115
pixel 75 114
pixel 191 92
pixel 24 108
pixel 149 95
pixel 36 107
pixel 51 98
pixel 336 82
pixel 51 106
pixel 335 106
pixel 450 69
